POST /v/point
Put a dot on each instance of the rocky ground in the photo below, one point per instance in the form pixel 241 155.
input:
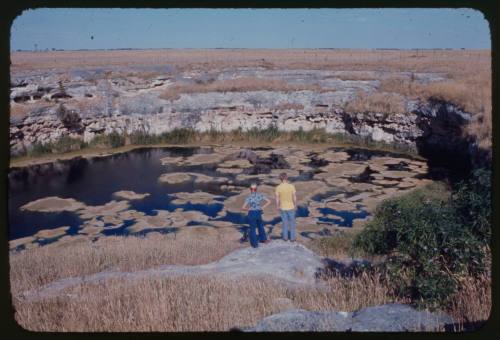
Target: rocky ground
pixel 113 102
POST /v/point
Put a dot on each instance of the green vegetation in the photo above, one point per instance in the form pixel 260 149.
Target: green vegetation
pixel 432 240
pixel 186 136
pixel 62 145
pixel 112 140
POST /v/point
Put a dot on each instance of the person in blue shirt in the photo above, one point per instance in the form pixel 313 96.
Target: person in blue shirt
pixel 253 204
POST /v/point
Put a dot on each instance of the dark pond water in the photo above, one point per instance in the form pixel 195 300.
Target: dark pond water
pixel 94 180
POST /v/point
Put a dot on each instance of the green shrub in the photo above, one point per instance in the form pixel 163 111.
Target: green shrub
pixel 141 138
pixel 66 144
pixel 39 149
pixel 427 244
pixel 268 135
pixel 178 136
pixel 62 145
pixel 112 140
pixel 472 201
pixel 116 140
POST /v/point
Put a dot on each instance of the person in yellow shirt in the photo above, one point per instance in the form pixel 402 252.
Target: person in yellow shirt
pixel 286 203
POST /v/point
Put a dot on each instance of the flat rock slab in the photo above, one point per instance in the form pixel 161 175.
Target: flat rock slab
pixel 53 204
pixel 290 262
pixel 384 318
pixel 130 195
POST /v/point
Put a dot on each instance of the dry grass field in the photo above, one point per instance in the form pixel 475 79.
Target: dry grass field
pixel 187 303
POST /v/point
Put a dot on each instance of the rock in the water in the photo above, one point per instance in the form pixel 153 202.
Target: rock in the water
pixel 130 195
pixel 384 318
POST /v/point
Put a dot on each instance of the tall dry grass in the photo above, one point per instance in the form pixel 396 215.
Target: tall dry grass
pixel 469 90
pixel 35 267
pixel 235 85
pixel 387 103
pixel 190 303
pixel 447 61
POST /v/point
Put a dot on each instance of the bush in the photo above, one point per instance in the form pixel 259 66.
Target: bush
pixel 178 136
pixel 428 246
pixel 62 145
pixel 472 201
pixel 112 140
pixel 70 119
pixel 66 144
pixel 116 140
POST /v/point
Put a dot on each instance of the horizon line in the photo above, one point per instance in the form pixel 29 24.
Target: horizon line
pixel 249 48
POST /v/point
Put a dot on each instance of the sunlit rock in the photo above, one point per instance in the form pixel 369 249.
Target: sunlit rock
pixel 130 195
pixel 51 233
pixel 53 204
pixel 171 160
pixel 23 241
pixel 71 240
pixel 110 208
pixel 114 220
pixel 231 171
pixel 197 197
pixel 175 178
pixel 198 159
pixel 201 178
pixel 237 163
pixel 335 156
pixel 341 206
pixel 181 218
pixel 130 215
pixel 305 190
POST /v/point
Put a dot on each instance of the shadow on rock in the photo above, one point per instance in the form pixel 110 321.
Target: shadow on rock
pixel 350 269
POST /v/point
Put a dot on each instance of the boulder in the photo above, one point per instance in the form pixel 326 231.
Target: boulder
pixel 384 318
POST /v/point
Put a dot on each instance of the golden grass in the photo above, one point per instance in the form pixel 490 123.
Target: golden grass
pixel 470 91
pixel 473 302
pixel 189 59
pixel 35 267
pixel 190 303
pixel 387 103
pixel 235 85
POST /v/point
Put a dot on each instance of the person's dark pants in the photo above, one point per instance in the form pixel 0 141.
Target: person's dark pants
pixel 255 222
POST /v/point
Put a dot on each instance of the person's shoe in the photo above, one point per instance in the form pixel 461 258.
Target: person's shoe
pixel 293 240
pixel 266 241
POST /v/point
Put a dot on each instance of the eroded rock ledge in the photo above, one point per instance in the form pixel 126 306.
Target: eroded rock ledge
pixel 433 129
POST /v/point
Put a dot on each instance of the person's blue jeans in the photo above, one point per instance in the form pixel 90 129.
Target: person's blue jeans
pixel 255 222
pixel 288 224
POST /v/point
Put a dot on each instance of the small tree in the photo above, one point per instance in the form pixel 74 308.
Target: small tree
pixel 70 118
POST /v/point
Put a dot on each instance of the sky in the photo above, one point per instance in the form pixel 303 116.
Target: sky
pixel 72 29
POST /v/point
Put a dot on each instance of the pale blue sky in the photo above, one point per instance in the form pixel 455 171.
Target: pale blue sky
pixel 249 28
